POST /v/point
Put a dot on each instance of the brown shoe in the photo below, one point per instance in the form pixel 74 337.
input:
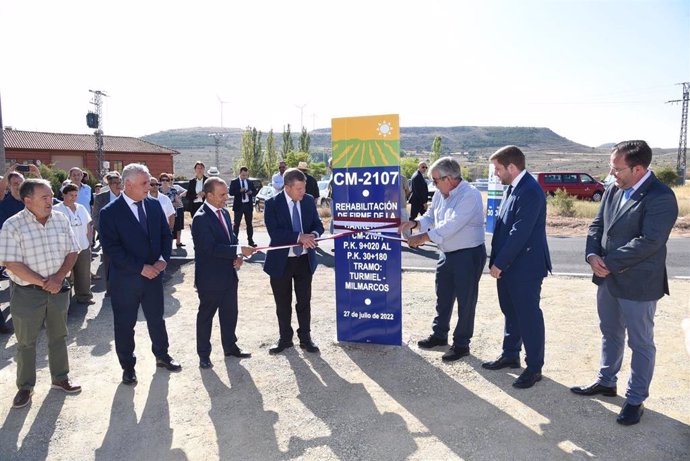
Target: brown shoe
pixel 23 398
pixel 67 386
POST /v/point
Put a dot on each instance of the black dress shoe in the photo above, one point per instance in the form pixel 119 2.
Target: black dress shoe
pixel 280 347
pixel 431 342
pixel 168 363
pixel 309 346
pixel 6 329
pixel 527 379
pixel 630 414
pixel 502 362
pixel 252 244
pixel 594 389
pixel 455 353
pixel 129 377
pixel 205 363
pixel 237 352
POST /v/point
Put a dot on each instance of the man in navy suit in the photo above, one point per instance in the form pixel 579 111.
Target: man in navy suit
pixel 290 218
pixel 217 257
pixel 136 237
pixel 519 261
pixel 243 192
pixel 626 248
pixel 420 192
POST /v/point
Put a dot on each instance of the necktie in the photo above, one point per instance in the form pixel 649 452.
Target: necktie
pixel 510 190
pixel 222 223
pixel 627 193
pixel 142 216
pixel 296 225
pixel 244 186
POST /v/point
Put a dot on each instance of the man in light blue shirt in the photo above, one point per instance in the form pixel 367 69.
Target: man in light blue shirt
pixel 84 194
pixel 455 222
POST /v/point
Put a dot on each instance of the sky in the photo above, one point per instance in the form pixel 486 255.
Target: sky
pixel 592 71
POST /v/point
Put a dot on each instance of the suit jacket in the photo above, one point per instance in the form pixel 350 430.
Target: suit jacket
pixel 214 251
pixel 234 190
pixel 279 226
pixel 99 202
pixel 191 193
pixel 518 245
pixel 420 190
pixel 125 241
pixel 312 186
pixel 632 239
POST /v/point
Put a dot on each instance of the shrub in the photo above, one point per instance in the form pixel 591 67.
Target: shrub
pixel 563 203
pixel 667 175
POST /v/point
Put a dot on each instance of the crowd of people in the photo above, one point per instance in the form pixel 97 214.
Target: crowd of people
pixel 47 250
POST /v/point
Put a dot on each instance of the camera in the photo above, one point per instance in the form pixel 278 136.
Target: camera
pixel 23 168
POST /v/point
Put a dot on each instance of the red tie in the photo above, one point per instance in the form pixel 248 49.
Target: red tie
pixel 222 223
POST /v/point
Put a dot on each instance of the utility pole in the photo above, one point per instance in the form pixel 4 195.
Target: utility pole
pixel 2 139
pixel 97 123
pixel 681 164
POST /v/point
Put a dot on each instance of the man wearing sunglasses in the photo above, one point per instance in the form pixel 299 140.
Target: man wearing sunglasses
pixel 455 222
pixel 420 192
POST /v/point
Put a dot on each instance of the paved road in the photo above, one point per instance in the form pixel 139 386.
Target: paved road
pixel 566 254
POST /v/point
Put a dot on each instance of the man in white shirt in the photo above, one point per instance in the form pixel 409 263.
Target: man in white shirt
pixel 166 204
pixel 455 222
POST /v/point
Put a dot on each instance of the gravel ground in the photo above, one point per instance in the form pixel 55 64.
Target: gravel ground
pixel 352 401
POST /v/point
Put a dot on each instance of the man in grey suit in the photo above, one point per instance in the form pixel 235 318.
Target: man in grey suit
pixel 626 248
pixel 99 202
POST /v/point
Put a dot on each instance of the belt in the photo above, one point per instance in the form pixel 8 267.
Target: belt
pixel 462 249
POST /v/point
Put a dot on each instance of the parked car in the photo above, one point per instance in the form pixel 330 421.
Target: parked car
pixel 431 188
pixel 322 199
pixel 580 185
pixel 264 194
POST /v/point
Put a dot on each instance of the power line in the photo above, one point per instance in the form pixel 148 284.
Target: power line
pixel 682 144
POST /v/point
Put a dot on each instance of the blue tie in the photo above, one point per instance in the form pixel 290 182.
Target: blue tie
pixel 142 216
pixel 296 226
pixel 627 193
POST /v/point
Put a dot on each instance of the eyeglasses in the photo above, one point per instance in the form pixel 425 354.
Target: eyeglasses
pixel 75 221
pixel 423 167
pixel 154 184
pixel 618 170
pixel 165 180
pixel 437 180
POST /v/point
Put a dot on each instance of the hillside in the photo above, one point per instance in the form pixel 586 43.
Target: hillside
pixel 412 139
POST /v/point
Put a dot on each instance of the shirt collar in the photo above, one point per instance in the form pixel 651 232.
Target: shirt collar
pixel 129 200
pixel 641 181
pixel 517 179
pixel 214 209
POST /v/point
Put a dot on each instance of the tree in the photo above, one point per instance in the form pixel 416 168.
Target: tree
pixel 435 150
pixel 667 175
pixel 293 158
pixel 271 157
pixel 408 166
pixel 287 146
pixel 304 141
pixel 251 155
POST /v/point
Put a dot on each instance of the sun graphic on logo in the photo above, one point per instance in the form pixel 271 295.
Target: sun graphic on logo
pixel 385 128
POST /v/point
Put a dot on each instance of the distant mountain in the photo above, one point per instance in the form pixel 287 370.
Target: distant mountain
pixel 412 139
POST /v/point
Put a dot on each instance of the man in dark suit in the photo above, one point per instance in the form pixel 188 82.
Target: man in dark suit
pixel 290 218
pixel 519 261
pixel 243 192
pixel 136 237
pixel 312 187
pixel 100 201
pixel 626 248
pixel 217 256
pixel 195 193
pixel 420 192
